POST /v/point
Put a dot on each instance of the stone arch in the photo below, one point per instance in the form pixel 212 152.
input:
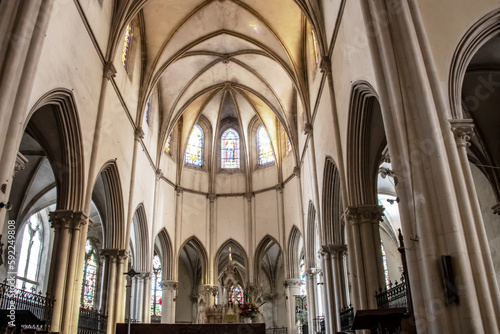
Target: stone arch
pixel 311 237
pixel 366 140
pixel 194 243
pixel 55 115
pixel 264 246
pixel 332 205
pixel 108 197
pixel 240 258
pixel 141 239
pixel 163 244
pixel 295 252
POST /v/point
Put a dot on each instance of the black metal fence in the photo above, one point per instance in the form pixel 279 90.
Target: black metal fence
pixel 394 297
pixel 276 330
pixel 346 319
pixel 37 307
pixel 156 319
pixel 92 321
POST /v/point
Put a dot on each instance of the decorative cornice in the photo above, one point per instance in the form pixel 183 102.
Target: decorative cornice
pixel 21 161
pixel 109 70
pixel 463 129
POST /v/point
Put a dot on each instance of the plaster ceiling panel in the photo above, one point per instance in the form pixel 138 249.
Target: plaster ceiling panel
pixel 161 18
pixel 231 44
pixel 211 110
pixel 267 116
pixel 183 70
pixel 285 18
pixel 247 113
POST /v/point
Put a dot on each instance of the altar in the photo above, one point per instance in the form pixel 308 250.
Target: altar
pixel 257 328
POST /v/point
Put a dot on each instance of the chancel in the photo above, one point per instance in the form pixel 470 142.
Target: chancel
pixel 287 166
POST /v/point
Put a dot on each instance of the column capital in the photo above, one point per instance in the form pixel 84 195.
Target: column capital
pixel 169 285
pixel 109 70
pixel 212 197
pixel 67 219
pixel 496 208
pixel 463 129
pixel 314 272
pixel 249 196
pixel 365 213
pixel 325 65
pixel 179 190
pixel 108 254
pixel 20 164
pixel 292 283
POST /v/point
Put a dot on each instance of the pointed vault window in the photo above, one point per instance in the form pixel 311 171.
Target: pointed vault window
pixel 195 147
pixel 230 147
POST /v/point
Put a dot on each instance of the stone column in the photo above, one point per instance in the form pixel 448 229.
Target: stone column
pixel 482 266
pixel 113 299
pixel 133 311
pixel 339 287
pixel 63 264
pixel 292 289
pixel 312 296
pixel 139 297
pixel 168 295
pixel 147 299
pixel 364 221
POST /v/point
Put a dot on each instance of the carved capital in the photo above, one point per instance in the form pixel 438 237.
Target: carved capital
pixel 109 70
pixel 365 214
pixel 138 134
pixel 292 283
pixel 337 249
pixel 325 66
pixel 212 197
pixel 67 219
pixel 496 209
pixel 21 161
pixel 169 285
pixel 463 129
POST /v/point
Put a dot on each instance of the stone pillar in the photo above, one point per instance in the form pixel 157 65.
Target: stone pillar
pixel 113 302
pixel 139 297
pixel 133 311
pixel 364 221
pixel 330 304
pixel 292 289
pixel 146 317
pixel 312 296
pixel 339 287
pixel 168 295
pixel 63 269
pixel 482 266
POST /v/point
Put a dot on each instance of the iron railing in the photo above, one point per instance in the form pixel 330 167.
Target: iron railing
pixel 276 330
pixel 346 319
pixel 394 297
pixel 92 321
pixel 38 305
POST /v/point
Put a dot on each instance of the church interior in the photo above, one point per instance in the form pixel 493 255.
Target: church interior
pixel 317 166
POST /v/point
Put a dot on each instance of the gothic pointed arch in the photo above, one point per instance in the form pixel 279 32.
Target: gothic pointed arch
pixel 108 197
pixel 295 252
pixel 332 204
pixel 199 265
pixel 366 140
pixel 312 238
pixel 267 244
pixel 140 239
pixel 54 123
pixel 163 244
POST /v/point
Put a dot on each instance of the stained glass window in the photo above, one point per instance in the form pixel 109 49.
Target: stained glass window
pixel 315 47
pixel 264 146
pixel 167 145
pixel 236 295
pixel 195 147
pixel 288 146
pixel 147 112
pixel 384 263
pixel 126 44
pixel 302 272
pixel 230 147
pixel 89 275
pixel 29 259
pixel 156 287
